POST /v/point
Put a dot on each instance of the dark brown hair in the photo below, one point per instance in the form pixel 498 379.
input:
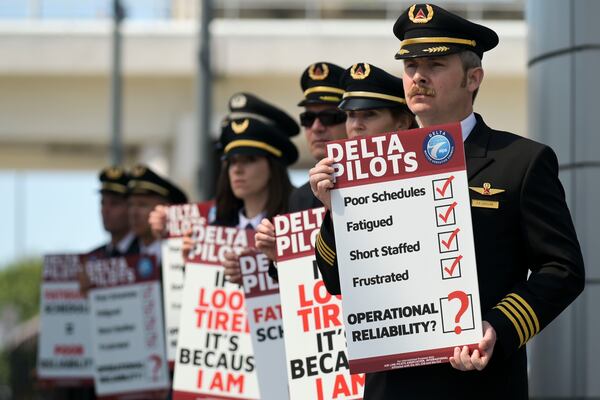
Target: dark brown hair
pixel 279 190
pixel 407 116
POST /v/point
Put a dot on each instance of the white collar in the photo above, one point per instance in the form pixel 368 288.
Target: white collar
pixel 153 249
pixel 467 125
pixel 244 221
pixel 124 243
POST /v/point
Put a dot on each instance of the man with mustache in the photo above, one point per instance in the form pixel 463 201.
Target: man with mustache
pixel 529 262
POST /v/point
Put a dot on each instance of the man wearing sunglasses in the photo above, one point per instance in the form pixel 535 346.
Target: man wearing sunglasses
pixel 321 119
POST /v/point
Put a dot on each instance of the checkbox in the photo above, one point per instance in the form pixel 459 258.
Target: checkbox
pixel 444 215
pixel 442 188
pixel 448 241
pixel 451 267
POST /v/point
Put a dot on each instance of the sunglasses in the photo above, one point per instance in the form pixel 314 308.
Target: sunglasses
pixel 327 118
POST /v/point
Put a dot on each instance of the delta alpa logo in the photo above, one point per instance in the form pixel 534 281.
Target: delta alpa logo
pixel 438 147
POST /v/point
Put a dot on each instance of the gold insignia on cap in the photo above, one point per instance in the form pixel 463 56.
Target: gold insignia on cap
pixel 138 171
pixel 318 72
pixel 403 51
pixel 420 18
pixel 486 190
pixel 238 101
pixel 437 49
pixel 240 127
pixel 360 71
pixel 113 172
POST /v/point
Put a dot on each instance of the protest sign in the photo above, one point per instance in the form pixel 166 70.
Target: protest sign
pixel 181 218
pixel 264 314
pixel 404 247
pixel 127 328
pixel 315 345
pixel 214 357
pixel 65 356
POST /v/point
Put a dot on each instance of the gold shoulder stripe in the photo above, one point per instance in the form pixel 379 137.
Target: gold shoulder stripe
pixel 510 317
pixel 528 308
pixel 325 251
pixel 327 259
pixel 524 313
pixel 526 333
pixel 329 250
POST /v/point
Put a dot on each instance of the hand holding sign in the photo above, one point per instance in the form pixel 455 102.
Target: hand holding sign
pixel 233 273
pixel 321 181
pixel 265 238
pixel 480 357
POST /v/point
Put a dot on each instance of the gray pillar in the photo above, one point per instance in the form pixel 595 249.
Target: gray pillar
pixel 564 62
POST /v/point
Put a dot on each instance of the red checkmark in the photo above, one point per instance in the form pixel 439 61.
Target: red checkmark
pixel 450 239
pixel 442 192
pixel 447 214
pixel 454 264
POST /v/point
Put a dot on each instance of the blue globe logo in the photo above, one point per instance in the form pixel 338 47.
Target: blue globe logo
pixel 144 267
pixel 438 147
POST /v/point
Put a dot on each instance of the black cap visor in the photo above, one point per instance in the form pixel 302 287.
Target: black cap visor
pixel 360 103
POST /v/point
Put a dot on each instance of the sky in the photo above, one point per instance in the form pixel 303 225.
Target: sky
pixel 48 212
pixel 55 212
pixel 136 9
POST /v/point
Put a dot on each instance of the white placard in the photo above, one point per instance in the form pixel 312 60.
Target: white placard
pixel 127 328
pixel 215 359
pixel 266 327
pixel 404 247
pixel 317 363
pixel 181 218
pixel 65 356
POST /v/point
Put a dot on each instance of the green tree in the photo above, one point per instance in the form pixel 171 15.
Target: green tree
pixel 19 296
pixel 20 288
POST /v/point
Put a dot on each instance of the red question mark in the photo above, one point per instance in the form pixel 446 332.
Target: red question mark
pixel 157 361
pixel 464 304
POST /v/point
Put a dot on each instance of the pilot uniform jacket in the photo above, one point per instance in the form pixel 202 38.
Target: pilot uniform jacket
pixel 108 250
pixel 302 198
pixel 530 231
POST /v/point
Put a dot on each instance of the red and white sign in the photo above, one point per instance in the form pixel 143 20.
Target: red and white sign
pixel 65 356
pixel 404 247
pixel 127 328
pixel 317 363
pixel 181 218
pixel 266 326
pixel 214 357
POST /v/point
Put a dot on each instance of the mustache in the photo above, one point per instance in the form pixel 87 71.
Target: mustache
pixel 419 90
